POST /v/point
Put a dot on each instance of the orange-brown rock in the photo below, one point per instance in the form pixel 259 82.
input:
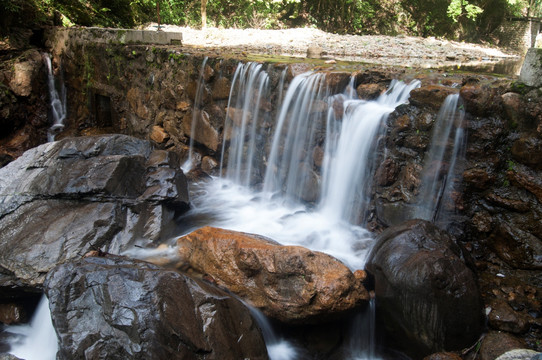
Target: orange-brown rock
pixel 431 96
pixel 288 283
pixel 158 134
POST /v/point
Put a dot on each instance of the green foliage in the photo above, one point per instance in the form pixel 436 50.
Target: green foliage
pixel 20 13
pixel 458 19
pixel 458 8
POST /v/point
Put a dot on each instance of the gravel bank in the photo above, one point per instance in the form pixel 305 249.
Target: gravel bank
pixel 386 50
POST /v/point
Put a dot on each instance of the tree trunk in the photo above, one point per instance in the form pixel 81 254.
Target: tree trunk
pixel 158 12
pixel 203 14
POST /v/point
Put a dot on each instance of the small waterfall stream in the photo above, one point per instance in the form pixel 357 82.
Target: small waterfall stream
pixel 244 128
pixel 37 340
pixel 448 142
pixel 57 100
pixel 348 163
pixel 196 112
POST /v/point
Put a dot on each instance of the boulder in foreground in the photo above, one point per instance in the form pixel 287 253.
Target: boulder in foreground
pixel 116 308
pixel 288 283
pixel 64 198
pixel 426 295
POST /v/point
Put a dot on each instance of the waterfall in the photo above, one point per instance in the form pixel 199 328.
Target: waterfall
pixel 196 113
pixel 348 162
pixel 249 86
pixel 277 349
pixel 57 101
pixel 289 161
pixel 293 204
pixel 362 335
pixel 297 206
pixel 448 143
pixel 38 340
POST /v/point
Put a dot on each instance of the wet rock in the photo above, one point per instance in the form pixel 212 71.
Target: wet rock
pixel 289 283
pixel 9 357
pixel 443 356
pixel 528 150
pixel 387 173
pixel 208 164
pixel 370 91
pixel 393 213
pixel 527 179
pixel 208 73
pixel 430 96
pixel 25 73
pixel 158 135
pixel 514 107
pixel 203 132
pixel 310 188
pixel 478 178
pixel 508 200
pixel 337 81
pixel 12 314
pixel 483 221
pixel 427 297
pixel 221 89
pixel 517 247
pixel 503 317
pixel 318 156
pixel 102 192
pixel 480 100
pixel 137 102
pixel 112 307
pixel 495 344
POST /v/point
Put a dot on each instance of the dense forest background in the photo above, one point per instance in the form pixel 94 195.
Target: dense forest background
pixel 470 20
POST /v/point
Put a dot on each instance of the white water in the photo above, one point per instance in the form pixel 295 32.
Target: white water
pixel 196 112
pixel 440 165
pixel 277 211
pixel 289 160
pixel 277 157
pixel 349 158
pixel 38 340
pixel 57 101
pixel 250 84
pixel 362 336
pixel 277 348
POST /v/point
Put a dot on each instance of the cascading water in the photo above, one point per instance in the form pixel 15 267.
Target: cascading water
pixel 289 162
pixel 348 162
pixel 57 101
pixel 281 211
pixel 277 349
pixel 251 85
pixel 362 337
pixel 196 112
pixel 441 164
pixel 38 340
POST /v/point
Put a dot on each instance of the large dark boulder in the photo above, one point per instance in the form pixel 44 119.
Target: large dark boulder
pixel 116 308
pixel 62 199
pixel 426 295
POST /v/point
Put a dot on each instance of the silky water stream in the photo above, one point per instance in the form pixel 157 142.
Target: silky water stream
pixel 278 194
pixel 37 340
pixel 269 185
pixel 57 100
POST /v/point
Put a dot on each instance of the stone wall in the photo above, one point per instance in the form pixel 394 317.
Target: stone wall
pixel 518 35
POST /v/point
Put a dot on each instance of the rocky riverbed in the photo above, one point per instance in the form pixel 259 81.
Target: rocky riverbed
pixel 387 50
